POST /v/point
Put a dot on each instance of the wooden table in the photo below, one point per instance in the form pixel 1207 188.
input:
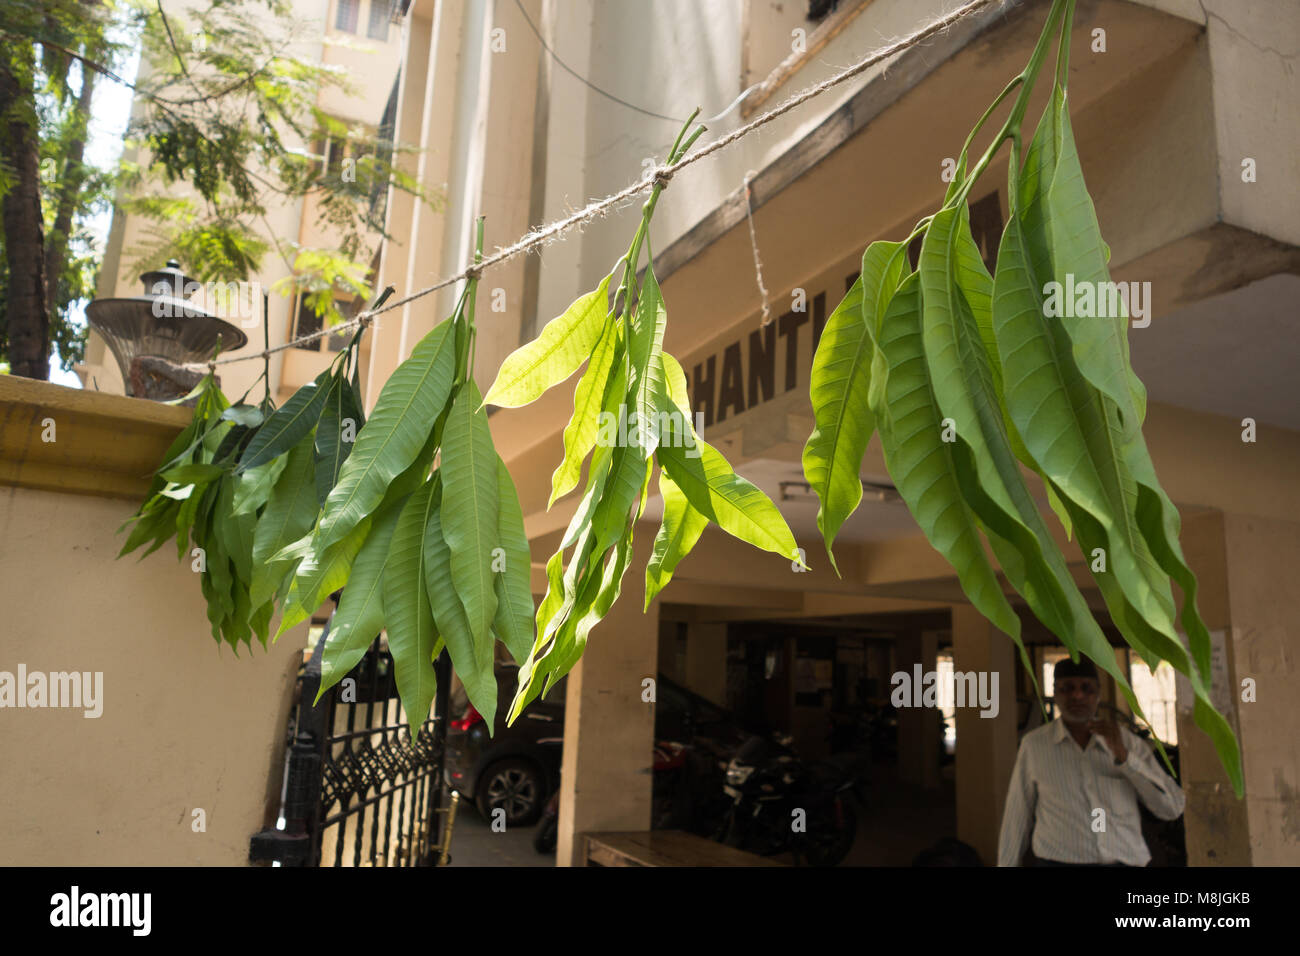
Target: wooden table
pixel 663 848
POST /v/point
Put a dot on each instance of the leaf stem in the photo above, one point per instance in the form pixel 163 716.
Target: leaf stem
pixel 1016 81
pixel 266 347
pixel 1028 78
pixel 627 287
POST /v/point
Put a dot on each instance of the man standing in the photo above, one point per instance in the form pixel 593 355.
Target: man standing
pixel 1077 781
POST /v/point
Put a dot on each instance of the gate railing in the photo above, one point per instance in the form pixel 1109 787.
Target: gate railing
pixel 356 791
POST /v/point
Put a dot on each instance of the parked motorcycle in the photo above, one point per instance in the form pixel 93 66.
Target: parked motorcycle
pixel 686 795
pixel 769 784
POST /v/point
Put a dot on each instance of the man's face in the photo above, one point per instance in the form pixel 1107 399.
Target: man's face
pixel 1077 697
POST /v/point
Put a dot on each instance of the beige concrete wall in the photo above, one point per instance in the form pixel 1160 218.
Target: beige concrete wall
pixel 1262 557
pixel 986 746
pixel 185 725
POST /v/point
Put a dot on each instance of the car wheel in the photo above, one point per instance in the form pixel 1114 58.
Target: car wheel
pixel 512 785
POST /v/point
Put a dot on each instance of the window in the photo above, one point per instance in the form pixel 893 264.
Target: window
pixel 307 321
pixel 346 15
pixel 1049 669
pixel 381 12
pixel 334 150
pixel 1157 693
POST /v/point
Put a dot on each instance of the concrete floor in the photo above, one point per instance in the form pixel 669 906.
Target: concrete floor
pixel 898 822
pixel 473 843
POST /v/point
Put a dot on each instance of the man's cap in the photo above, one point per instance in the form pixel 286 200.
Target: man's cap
pixel 1068 668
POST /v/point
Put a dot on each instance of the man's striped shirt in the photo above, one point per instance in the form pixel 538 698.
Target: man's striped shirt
pixel 1057 787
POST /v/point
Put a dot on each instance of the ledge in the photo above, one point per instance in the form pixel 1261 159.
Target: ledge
pixel 104 445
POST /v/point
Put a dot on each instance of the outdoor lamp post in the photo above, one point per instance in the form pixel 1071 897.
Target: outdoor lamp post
pixel 153 334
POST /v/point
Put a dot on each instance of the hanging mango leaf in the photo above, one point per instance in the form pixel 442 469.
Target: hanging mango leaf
pixel 968 375
pixel 423 531
pixel 232 486
pixel 630 412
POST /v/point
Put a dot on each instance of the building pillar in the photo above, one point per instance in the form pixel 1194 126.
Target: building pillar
pixel 606 772
pixel 706 660
pixel 410 260
pixel 919 728
pixel 986 746
pixel 1248 596
pixel 1215 821
pixel 1263 593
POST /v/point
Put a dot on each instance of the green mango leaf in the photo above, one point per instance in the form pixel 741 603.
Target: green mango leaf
pixel 397 432
pixel 259 622
pixel 194 474
pixel 596 598
pixel 841 380
pixel 253 487
pixel 645 346
pixel 218 557
pixel 964 386
pixel 412 634
pixel 331 450
pixel 177 452
pixel 921 462
pixel 356 402
pixel 289 515
pixel 588 401
pixel 288 425
pixel 185 517
pixel 1100 343
pixel 710 484
pixel 727 499
pixel 469 515
pixel 1084 447
pixel 152 525
pixel 1062 420
pixel 590 608
pixel 531 672
pixel 471 656
pixel 609 517
pixel 360 614
pixel 563 345
pixel 239 543
pixel 512 581
pixel 679 530
pixel 234 439
pixel 319 574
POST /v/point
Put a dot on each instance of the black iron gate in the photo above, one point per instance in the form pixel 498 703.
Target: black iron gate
pixel 356 791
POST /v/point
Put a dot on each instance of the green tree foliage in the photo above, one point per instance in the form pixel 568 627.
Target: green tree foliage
pixel 225 107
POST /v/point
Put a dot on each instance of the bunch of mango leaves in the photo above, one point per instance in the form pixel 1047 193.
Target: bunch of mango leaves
pixel 414 512
pixel 630 410
pixel 966 378
pixel 242 482
pixel 425 530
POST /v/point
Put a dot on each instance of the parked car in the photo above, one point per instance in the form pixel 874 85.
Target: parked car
pixel 517 768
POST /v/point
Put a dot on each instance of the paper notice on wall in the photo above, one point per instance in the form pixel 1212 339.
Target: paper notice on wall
pixel 1220 687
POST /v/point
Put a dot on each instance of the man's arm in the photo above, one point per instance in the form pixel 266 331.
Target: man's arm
pixel 1155 788
pixel 1018 814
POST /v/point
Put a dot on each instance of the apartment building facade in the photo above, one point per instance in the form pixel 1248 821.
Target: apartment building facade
pixel 525 110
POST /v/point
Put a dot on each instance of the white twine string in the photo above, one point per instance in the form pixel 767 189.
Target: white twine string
pixel 661 176
pixel 753 242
